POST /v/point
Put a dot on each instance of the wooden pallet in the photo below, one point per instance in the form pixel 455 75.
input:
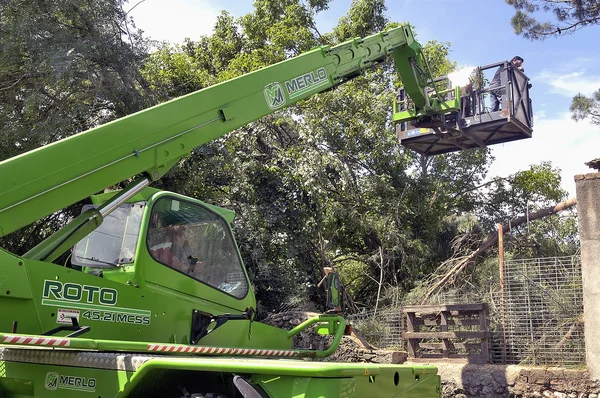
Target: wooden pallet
pixel 456 332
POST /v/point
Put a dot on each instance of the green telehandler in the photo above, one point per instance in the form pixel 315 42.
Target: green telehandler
pixel 155 300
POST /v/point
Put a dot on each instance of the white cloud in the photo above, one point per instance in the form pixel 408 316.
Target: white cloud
pixel 564 142
pixel 174 20
pixel 577 63
pixel 570 84
pixel 540 114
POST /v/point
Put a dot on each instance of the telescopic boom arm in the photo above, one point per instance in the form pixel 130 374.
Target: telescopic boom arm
pixel 40 182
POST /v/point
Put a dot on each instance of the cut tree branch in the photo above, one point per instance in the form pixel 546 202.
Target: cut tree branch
pixel 491 241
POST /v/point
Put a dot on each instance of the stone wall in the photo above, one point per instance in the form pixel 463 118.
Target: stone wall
pixel 496 381
pixel 588 217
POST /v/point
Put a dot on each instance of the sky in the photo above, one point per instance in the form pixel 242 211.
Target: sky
pixel 479 33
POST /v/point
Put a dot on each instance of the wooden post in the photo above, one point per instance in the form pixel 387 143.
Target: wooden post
pixel 483 327
pixel 403 329
pixel 412 344
pixel 501 272
pixel 444 327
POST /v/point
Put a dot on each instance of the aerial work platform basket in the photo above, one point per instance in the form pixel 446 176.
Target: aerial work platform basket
pixel 470 121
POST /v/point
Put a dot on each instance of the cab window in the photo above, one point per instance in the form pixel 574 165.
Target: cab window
pixel 195 241
pixel 114 242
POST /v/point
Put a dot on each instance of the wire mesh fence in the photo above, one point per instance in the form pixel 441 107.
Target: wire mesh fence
pixel 382 329
pixel 537 318
pixel 540 312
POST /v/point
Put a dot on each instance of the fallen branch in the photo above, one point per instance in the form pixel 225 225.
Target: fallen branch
pixel 361 341
pixel 578 322
pixel 491 241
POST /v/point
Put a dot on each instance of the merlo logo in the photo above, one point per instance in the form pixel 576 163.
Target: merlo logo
pixel 274 95
pixel 51 381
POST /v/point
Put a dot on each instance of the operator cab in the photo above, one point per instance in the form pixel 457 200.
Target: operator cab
pixel 167 240
pixel 479 126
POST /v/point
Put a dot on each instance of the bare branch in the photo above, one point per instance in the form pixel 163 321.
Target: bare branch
pixel 136 4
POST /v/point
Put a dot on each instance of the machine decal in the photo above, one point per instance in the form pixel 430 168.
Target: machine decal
pixel 296 87
pixel 274 95
pixel 221 350
pixel 96 302
pixel 54 381
pixel 65 316
pixel 74 292
pixel 30 340
pixel 420 131
pixel 307 82
pixel 119 317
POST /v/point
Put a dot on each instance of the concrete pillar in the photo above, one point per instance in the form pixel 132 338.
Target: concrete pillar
pixel 588 214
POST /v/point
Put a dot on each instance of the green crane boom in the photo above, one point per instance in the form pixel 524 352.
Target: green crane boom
pixel 47 179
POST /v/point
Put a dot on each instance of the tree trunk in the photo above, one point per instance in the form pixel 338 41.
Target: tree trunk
pixel 380 279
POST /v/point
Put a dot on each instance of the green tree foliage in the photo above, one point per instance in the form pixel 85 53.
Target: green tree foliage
pixel 312 185
pixel 438 57
pixel 363 18
pixel 569 16
pixel 584 107
pixel 323 182
pixel 509 197
pixel 256 169
pixel 524 192
pixel 65 66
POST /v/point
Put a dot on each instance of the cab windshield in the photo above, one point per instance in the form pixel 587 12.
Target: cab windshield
pixel 114 242
pixel 196 242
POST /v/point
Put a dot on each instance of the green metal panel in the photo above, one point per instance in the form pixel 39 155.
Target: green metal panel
pixel 406 58
pixel 135 314
pixel 13 277
pixel 387 381
pixel 41 381
pixel 305 387
pixel 286 378
pixel 401 381
pixel 259 340
pixel 47 179
pixel 109 375
pixel 436 107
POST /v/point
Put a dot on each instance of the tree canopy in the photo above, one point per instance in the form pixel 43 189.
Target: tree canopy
pixel 65 67
pixel 322 183
pixel 325 182
pixel 567 16
pixel 584 107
